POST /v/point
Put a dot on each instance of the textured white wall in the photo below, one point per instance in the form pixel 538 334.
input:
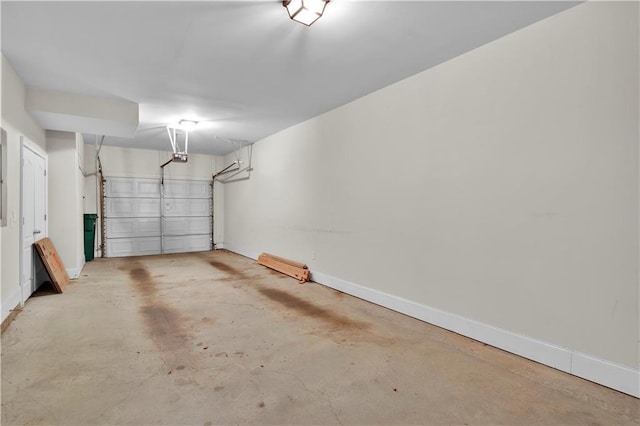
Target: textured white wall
pixel 17 123
pixel 500 186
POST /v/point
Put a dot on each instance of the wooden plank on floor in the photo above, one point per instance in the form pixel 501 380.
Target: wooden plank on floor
pixel 287 261
pixel 300 273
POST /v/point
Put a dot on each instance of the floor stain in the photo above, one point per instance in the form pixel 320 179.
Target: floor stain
pixel 224 267
pixel 276 273
pixel 311 310
pixel 164 326
pixel 228 279
pixel 142 279
pixel 163 323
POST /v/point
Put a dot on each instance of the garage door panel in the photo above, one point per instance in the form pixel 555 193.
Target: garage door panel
pixel 186 226
pixel 119 188
pixel 132 207
pixel 187 207
pixel 187 189
pixel 121 247
pixel 140 219
pixel 129 187
pixel 184 244
pixel 132 227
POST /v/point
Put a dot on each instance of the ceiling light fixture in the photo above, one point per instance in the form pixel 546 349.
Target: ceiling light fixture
pixel 305 11
pixel 187 124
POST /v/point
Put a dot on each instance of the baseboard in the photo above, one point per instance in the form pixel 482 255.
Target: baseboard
pixel 618 377
pixel 615 376
pixel 245 253
pixel 9 319
pixel 11 303
pixel 74 273
pixel 603 372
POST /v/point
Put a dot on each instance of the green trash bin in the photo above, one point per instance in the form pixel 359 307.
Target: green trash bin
pixel 89 235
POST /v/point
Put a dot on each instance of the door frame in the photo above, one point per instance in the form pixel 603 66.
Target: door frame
pixel 37 150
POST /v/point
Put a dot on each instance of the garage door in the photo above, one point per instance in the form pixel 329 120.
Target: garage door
pixel 145 216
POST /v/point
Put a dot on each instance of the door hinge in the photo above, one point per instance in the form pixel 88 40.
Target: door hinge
pixel 45 172
pixel 45 217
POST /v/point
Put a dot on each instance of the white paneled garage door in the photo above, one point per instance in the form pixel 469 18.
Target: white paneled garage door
pixel 145 216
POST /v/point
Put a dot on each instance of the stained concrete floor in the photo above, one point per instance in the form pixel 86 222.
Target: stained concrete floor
pixel 214 338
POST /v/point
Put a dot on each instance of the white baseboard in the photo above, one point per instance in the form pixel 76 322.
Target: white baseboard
pixel 246 253
pixel 615 376
pixel 10 303
pixel 610 374
pixel 74 273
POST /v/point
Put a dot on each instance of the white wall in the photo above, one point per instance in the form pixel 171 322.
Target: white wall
pixel 17 123
pixel 90 170
pixel 66 189
pixel 143 163
pixel 495 194
pixel 78 166
pixel 82 113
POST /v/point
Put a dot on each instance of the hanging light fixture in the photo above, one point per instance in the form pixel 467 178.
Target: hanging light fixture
pixel 305 11
pixel 186 126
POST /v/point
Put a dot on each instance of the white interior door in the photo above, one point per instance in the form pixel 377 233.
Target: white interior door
pixel 34 211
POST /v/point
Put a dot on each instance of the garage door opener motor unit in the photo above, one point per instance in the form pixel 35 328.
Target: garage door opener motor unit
pixel 180 156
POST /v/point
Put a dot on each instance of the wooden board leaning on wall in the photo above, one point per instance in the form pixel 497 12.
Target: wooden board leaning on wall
pixel 53 264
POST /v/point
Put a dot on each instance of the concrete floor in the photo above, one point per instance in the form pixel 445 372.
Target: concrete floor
pixel 214 338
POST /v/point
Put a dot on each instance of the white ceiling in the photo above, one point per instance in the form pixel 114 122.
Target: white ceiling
pixel 241 67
